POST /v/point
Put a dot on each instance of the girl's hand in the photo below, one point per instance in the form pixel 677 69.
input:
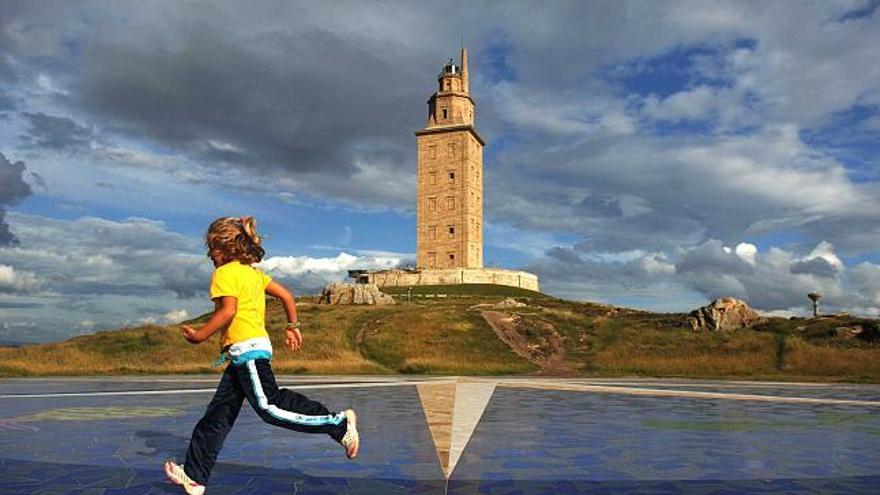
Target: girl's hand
pixel 189 333
pixel 294 339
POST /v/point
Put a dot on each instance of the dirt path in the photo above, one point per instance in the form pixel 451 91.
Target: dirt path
pixel 361 336
pixel 548 351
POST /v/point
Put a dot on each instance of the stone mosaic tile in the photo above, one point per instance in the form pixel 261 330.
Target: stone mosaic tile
pixel 510 440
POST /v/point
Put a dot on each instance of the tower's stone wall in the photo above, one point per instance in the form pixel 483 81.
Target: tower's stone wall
pixel 450 200
pixel 452 276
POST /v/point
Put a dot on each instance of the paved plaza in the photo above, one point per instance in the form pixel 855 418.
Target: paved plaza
pixel 459 435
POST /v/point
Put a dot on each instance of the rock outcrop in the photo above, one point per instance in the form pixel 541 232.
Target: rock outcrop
pixel 849 332
pixel 726 313
pixel 508 303
pixel 342 293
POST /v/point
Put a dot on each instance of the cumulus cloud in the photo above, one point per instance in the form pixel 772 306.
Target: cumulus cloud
pixel 6 102
pixel 571 270
pixel 318 98
pixel 310 105
pixel 99 271
pixel 312 274
pixel 747 252
pixel 821 261
pixel 18 281
pixel 345 103
pixel 105 273
pixel 559 113
pixel 136 256
pixel 711 256
pixel 653 193
pixel 175 315
pixel 693 104
pixel 865 278
pixel 774 281
pixel 13 189
pixel 299 101
pixel 56 133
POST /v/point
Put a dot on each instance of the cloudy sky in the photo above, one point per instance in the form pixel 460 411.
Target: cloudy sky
pixel 648 154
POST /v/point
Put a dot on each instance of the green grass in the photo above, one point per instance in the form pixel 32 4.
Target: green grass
pixel 441 338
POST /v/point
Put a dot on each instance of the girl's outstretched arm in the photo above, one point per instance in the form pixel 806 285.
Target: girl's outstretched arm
pixel 224 311
pixel 293 337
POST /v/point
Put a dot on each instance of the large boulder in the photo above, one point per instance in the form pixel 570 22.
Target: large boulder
pixel 342 293
pixel 508 303
pixel 726 313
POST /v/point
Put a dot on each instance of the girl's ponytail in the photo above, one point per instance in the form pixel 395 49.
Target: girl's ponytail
pixel 249 224
pixel 253 252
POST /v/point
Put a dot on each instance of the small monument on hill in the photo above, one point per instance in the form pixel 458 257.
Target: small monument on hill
pixel 449 208
pixel 815 296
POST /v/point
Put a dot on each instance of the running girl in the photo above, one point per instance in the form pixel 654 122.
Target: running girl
pixel 239 294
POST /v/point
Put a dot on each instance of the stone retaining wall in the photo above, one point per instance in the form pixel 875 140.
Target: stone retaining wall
pixel 452 276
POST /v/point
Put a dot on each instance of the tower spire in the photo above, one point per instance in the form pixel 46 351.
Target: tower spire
pixel 464 67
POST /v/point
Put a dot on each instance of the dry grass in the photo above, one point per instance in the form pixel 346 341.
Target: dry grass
pixel 139 350
pixel 611 342
pixel 804 358
pixel 567 315
pixel 446 337
pixel 620 360
pixel 678 352
pixel 151 349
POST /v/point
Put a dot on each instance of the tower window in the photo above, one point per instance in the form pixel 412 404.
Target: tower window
pixel 432 178
pixel 432 204
pixel 444 113
pixel 451 177
pixel 452 232
pixel 450 150
pixel 450 202
pixel 432 260
pixel 432 232
pixel 432 151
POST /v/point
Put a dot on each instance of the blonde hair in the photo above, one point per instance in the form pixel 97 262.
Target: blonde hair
pixel 236 238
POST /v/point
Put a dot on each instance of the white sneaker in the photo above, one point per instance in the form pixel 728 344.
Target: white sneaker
pixel 351 441
pixel 178 476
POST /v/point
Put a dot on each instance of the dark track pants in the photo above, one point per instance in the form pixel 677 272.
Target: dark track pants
pixel 255 381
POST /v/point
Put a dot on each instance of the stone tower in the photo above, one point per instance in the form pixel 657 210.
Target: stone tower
pixel 449 212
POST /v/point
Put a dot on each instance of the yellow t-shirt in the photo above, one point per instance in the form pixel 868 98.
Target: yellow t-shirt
pixel 248 285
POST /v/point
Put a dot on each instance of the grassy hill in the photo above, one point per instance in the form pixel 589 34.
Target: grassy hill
pixel 445 330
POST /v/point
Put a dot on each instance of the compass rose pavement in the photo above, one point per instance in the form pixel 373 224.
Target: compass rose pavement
pixel 454 435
